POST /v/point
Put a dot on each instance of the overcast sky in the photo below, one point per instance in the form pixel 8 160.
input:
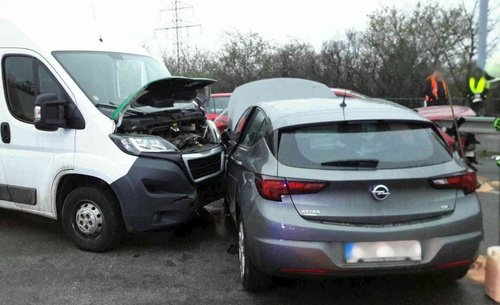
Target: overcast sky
pixel 278 20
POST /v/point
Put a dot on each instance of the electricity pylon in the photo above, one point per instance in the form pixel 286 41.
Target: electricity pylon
pixel 177 24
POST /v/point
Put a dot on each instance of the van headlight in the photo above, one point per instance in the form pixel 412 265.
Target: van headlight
pixel 137 144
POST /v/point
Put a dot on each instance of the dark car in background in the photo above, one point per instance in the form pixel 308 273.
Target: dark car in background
pixel 216 105
pixel 321 189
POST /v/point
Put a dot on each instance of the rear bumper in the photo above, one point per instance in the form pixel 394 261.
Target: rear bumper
pixel 282 240
pixel 279 256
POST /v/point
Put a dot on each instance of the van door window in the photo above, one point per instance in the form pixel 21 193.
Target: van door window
pixel 24 79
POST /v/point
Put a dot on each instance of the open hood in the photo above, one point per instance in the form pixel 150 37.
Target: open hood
pixel 163 93
pixel 273 89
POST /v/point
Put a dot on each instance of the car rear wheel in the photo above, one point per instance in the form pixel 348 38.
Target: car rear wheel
pixel 92 220
pixel 252 279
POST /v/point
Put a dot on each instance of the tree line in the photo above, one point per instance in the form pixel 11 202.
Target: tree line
pixel 391 58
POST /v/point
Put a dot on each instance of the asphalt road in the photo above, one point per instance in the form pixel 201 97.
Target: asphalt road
pixel 38 265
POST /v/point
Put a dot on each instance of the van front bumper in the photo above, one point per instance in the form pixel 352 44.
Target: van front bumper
pixel 157 194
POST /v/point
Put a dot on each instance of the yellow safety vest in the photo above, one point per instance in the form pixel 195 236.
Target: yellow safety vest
pixel 478 88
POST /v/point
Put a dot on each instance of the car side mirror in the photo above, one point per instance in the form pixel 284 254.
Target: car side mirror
pixel 51 113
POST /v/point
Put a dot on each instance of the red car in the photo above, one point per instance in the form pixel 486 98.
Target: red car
pixel 221 121
pixel 467 140
pixel 217 104
pixel 439 113
pixel 339 92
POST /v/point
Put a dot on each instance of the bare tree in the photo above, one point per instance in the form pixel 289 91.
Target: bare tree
pixel 391 58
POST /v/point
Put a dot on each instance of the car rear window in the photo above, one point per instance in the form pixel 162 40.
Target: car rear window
pixel 382 144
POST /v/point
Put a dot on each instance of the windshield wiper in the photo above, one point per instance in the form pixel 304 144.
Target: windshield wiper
pixel 356 163
pixel 113 106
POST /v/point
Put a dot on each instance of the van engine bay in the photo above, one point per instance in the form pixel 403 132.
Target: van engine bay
pixel 187 129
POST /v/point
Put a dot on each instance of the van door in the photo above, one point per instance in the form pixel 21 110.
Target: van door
pixel 4 192
pixel 32 158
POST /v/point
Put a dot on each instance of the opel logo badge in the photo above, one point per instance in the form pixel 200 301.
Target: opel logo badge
pixel 380 192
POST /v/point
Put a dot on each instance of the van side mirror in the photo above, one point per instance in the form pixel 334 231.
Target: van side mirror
pixel 50 113
pixel 226 136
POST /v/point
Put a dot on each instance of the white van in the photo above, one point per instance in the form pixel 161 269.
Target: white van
pixel 101 137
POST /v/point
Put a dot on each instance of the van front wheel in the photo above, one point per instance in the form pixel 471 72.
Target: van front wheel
pixel 91 219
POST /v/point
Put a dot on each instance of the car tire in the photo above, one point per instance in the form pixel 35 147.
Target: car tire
pixel 252 279
pixel 92 219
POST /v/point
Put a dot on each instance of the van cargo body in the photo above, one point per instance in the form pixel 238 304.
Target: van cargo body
pixel 101 136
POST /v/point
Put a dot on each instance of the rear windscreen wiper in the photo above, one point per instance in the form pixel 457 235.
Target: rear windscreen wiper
pixel 360 163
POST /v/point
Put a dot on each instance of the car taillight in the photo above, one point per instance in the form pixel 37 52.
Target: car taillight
pixel 467 182
pixel 273 188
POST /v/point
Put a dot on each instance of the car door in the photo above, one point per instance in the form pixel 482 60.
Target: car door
pixel 32 158
pixel 239 157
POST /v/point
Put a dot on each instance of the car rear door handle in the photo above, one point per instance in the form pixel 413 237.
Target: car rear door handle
pixel 5 131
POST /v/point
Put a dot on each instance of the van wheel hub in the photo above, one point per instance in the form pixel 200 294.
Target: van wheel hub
pixel 89 219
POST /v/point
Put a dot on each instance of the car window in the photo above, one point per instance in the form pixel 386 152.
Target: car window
pixel 241 123
pixel 25 78
pixel 217 104
pixel 256 130
pixel 390 144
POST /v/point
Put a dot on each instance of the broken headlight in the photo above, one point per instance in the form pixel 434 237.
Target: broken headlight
pixel 137 144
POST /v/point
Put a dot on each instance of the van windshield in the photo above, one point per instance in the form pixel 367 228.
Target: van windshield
pixel 108 77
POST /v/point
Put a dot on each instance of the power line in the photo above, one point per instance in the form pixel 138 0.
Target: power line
pixel 177 24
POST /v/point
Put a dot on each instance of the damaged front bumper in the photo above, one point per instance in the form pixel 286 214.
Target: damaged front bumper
pixel 161 192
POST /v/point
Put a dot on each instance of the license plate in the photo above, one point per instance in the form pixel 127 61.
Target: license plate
pixel 383 251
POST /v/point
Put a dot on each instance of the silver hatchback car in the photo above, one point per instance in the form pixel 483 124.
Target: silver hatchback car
pixel 322 186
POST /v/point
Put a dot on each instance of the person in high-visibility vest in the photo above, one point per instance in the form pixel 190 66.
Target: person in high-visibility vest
pixel 436 90
pixel 492 68
pixel 496 124
pixel 478 91
pixel 479 86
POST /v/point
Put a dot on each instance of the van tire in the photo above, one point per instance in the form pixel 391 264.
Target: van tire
pixel 100 218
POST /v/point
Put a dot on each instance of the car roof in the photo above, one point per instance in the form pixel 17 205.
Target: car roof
pixel 286 113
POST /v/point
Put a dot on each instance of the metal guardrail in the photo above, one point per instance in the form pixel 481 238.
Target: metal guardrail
pixel 477 125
